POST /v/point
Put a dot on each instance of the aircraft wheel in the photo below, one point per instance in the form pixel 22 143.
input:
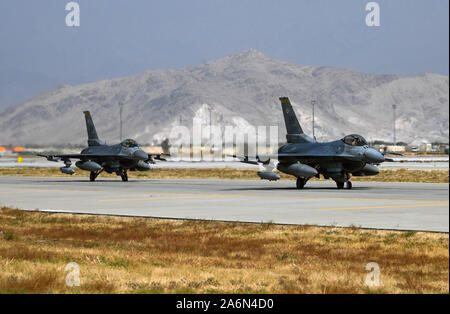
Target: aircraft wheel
pixel 124 176
pixel 340 185
pixel 92 176
pixel 301 183
pixel 349 185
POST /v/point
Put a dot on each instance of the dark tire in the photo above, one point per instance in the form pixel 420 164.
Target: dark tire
pixel 92 176
pixel 124 177
pixel 301 183
pixel 349 185
pixel 340 185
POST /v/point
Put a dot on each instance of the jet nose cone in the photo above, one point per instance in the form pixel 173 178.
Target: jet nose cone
pixel 373 156
pixel 140 154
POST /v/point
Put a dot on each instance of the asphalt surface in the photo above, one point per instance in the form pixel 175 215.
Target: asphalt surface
pixel 380 205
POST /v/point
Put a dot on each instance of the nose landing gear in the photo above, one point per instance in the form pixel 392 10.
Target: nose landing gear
pixel 124 176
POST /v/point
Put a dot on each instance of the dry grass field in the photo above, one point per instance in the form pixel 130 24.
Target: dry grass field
pixel 139 255
pixel 400 175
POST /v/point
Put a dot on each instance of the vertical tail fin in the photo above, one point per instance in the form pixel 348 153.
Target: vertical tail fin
pixel 93 139
pixel 294 130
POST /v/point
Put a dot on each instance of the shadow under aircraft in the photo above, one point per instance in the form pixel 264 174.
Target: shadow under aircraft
pixel 305 158
pixel 99 157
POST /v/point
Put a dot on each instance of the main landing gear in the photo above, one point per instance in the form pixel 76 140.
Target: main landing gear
pixel 94 174
pixel 123 174
pixel 301 183
pixel 340 185
pixel 342 181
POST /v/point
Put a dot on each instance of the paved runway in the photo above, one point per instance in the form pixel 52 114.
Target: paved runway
pixel 404 206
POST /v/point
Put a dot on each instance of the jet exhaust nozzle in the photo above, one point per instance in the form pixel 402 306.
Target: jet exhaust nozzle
pixel 67 170
pixel 298 170
pixel 268 175
pixel 88 165
pixel 373 156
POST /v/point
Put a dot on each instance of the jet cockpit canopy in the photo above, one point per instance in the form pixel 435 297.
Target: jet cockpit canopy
pixel 129 143
pixel 354 140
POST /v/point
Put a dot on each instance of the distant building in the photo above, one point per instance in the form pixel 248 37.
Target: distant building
pixel 396 148
pixel 10 150
pixel 426 148
pixel 391 148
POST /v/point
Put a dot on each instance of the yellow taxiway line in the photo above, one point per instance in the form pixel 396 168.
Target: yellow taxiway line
pixel 388 206
pixel 160 198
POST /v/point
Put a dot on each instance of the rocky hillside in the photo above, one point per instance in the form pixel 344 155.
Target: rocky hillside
pixel 239 90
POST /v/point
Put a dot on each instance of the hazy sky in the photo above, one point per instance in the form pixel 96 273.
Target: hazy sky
pixel 123 37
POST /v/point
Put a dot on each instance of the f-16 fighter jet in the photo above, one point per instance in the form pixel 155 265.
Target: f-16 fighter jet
pixel 99 157
pixel 304 157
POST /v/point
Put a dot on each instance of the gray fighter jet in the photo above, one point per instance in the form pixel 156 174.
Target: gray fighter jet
pixel 305 158
pixel 99 157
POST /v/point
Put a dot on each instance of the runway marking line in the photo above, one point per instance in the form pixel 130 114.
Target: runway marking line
pixel 209 195
pixel 200 195
pixel 226 195
pixel 13 192
pixel 389 206
pixel 160 198
pixel 308 197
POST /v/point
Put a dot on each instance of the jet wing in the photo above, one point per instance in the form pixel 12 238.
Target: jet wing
pixel 263 161
pixel 159 156
pixel 80 156
pixel 262 157
pixel 151 157
pixel 390 153
pixel 265 158
pixel 256 159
